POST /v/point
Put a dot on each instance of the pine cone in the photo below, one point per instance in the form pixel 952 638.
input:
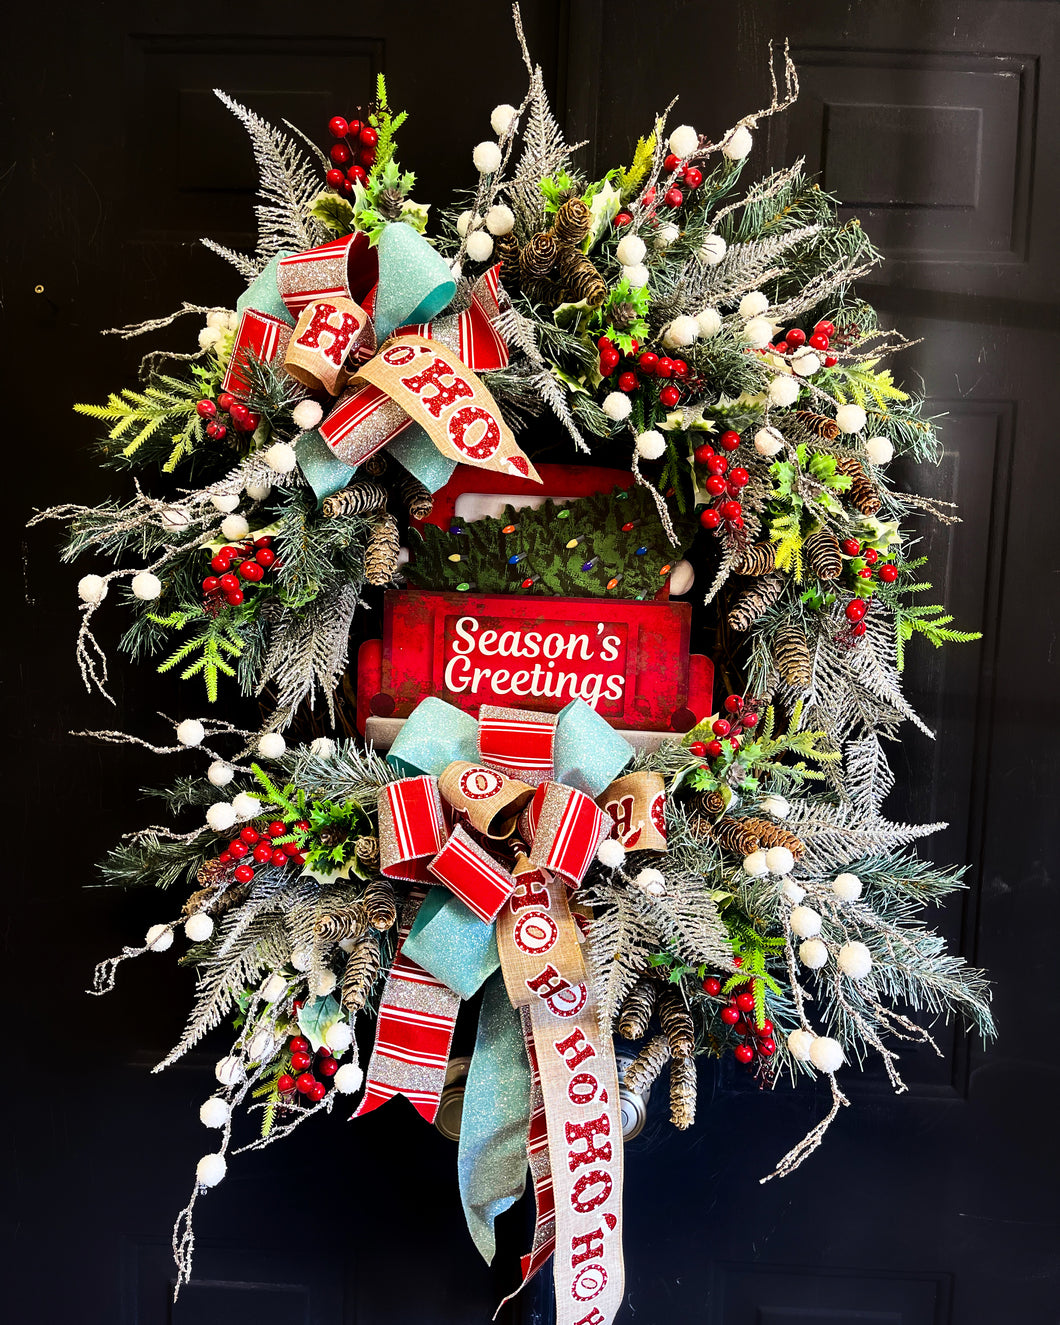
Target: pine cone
pixel 376 465
pixel 537 259
pixel 332 834
pixel 623 316
pixel 647 1065
pixel 357 499
pixel 367 851
pixel 580 278
pixel 755 600
pixel 416 497
pixel 572 222
pixel 822 552
pixel 381 554
pixel 389 202
pixel 683 1093
pixel 770 834
pixel 342 922
pixel 733 835
pixel 819 424
pixel 791 653
pixel 676 1023
pixel 380 904
pixel 211 874
pixel 506 251
pixel 863 492
pixel 756 559
pixel 709 803
pixel 636 1010
pixel 362 969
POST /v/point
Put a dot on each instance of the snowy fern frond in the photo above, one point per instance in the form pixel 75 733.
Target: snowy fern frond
pixel 247 267
pixel 868 775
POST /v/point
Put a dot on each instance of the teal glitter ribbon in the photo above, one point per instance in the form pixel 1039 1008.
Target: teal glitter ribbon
pixel 415 281
pixel 451 943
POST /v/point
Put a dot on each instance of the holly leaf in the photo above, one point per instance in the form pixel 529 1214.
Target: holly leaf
pixel 317 1017
pixel 333 212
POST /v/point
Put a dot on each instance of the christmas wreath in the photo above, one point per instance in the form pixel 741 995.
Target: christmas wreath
pixel 723 880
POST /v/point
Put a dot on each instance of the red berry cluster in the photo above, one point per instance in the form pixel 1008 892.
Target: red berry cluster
pixel 864 566
pixel 691 177
pixel 353 155
pixel 259 847
pixel 735 1014
pixel 741 720
pixel 818 339
pixel 240 417
pixel 251 560
pixel 724 487
pixel 640 368
pixel 305 1083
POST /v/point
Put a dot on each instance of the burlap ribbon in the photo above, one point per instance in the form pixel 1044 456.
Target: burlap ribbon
pixel 508 848
pixel 324 312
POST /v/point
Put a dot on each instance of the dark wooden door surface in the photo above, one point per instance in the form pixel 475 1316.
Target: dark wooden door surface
pixel 938 124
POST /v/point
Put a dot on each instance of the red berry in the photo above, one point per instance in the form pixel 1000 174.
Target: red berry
pixel 743 1053
pixel 670 163
pixel 628 381
pixel 712 986
pixel 856 609
pixel 340 154
pixel 338 127
pixel 240 415
pixel 664 367
pixel 670 396
pixel 217 431
pixel 739 477
pixel 211 584
pixel 825 329
pixel 648 363
pixel 680 369
pixel 698 749
pixel 291 848
pixel 745 1002
pixel 605 343
pixel 228 581
pixel 323 1051
pixel 250 835
pixel 298 858
pixel 622 218
pixel 871 556
pixel 818 342
pixel 276 829
pixel 278 857
pixel 730 1016
pixel 831 361
pixel 305 1083
pixel 714 749
pixel 888 573
pixel 781 347
pixel 767 1046
pixel 750 719
pixel 693 177
pixel 733 703
pixel 366 156
pixel 234 597
pixel 721 727
pixel 205 409
pixel 265 557
pixel 244 873
pixel 765 1029
pixel 865 573
pixel 702 453
pixel 730 510
pixel 263 852
pixel 729 440
pixel 317 1091
pixel 673 197
pixel 250 570
pixel 226 400
pixel 742 1028
pixel 715 485
pixel 368 136
pixel 301 1061
pixel 285 1083
pixel 237 849
pixel 709 519
pixel 795 337
pixel 327 1067
pixel 850 546
pixel 298 1044
pixel 737 961
pixel 717 464
pixel 858 629
pixel 301 826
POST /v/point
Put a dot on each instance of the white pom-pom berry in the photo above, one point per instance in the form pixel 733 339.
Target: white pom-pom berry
pixel 501 118
pixel 301 959
pixel 768 441
pixel 323 747
pixel 850 418
pixel 487 158
pixel 650 445
pixel 847 887
pixel 214 1112
pixel 804 363
pixel 466 222
pixel 682 577
pixel 339 1037
pixel 738 144
pixel 220 773
pixel 708 320
pixel 208 338
pixel 92 588
pixel 234 528
pixel 826 1054
pixel 220 817
pixel 792 892
pixel 799 1045
pixel 805 922
pixel 307 414
pixel 191 732
pixel 755 865
pixel 173 518
pixel 712 250
pixel 757 333
pixel 218 318
pixel 273 987
pixel 617 406
pixel 348 1079
pixel 211 1169
pixel 322 983
pixel 198 928
pixel 228 1071
pixel 813 953
pixel 637 275
pixel 500 220
pixel 753 305
pixel 225 502
pixel 780 860
pixel 479 246
pixel 631 250
pixel 681 332
pixel 281 458
pixel 257 489
pixel 651 882
pixel 146 586
pixel 666 235
pixel 879 450
pixel 683 141
pixel 783 391
pixel 159 937
pixel 775 805
pixel 261 1046
pixel 246 806
pixel 611 853
pixel 854 960
pixel 271 745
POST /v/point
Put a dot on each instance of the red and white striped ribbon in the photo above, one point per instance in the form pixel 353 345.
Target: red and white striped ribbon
pixel 518 742
pixel 257 335
pixel 564 828
pixel 413 827
pixel 472 875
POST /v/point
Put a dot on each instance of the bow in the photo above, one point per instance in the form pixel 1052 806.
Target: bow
pixel 361 325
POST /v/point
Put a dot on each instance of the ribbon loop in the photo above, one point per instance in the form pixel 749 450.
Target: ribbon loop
pixel 412 828
pixel 472 874
pixel 517 741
